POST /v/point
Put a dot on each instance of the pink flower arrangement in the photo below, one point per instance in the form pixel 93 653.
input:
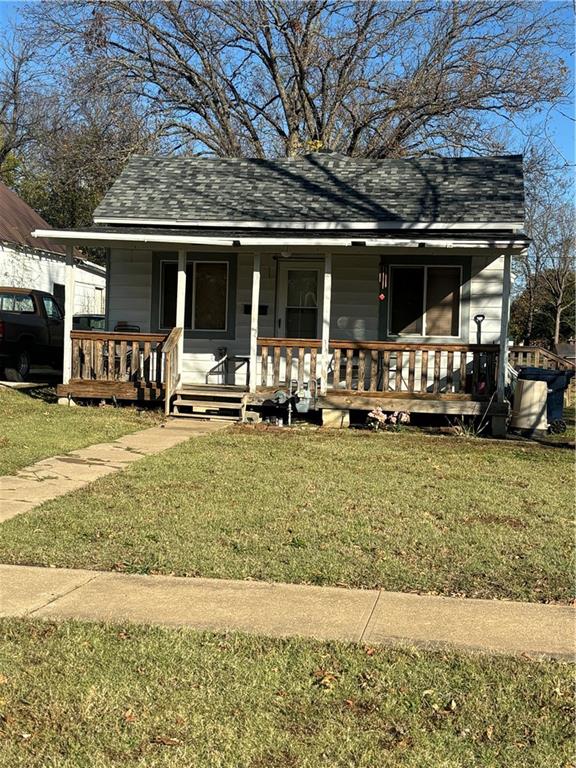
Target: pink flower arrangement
pixel 379 419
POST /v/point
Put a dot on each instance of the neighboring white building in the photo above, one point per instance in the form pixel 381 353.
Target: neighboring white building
pixel 27 262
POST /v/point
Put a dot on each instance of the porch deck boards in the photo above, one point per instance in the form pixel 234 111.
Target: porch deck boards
pixel 121 390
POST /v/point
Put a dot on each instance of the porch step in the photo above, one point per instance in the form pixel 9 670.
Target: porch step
pixel 222 402
pixel 208 391
pixel 211 405
pixel 205 416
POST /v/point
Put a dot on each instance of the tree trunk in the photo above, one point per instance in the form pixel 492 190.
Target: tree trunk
pixel 557 319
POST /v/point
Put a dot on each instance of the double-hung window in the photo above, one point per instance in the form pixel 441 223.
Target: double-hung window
pixel 207 295
pixel 425 301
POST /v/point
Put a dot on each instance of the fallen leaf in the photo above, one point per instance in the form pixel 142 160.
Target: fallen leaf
pixel 325 679
pixel 166 741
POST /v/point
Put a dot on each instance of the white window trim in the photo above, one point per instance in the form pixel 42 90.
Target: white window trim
pixel 425 335
pixel 305 265
pixel 194 262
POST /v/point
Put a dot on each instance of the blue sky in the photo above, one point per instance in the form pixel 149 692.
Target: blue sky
pixel 560 128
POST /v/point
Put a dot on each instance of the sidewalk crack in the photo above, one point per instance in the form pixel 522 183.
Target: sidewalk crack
pixel 63 594
pixel 370 617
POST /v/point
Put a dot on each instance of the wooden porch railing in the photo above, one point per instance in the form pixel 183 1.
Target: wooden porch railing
pixel 285 360
pixel 122 361
pixel 171 351
pixel 384 369
pixel 538 357
pixel 121 357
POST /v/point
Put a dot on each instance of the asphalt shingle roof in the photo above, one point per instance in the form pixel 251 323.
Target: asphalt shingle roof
pixel 17 220
pixel 318 188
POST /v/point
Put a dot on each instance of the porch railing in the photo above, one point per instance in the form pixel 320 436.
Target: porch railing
pixel 120 357
pixel 171 352
pixel 538 357
pixel 285 360
pixel 384 369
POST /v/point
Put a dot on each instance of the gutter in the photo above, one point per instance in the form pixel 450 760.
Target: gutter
pixel 250 242
pixel 310 225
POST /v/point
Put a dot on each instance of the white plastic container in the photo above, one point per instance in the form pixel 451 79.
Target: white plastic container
pixel 529 411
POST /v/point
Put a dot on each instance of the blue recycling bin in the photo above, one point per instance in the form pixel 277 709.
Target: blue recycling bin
pixel 557 383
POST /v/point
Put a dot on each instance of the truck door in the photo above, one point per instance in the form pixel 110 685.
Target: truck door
pixel 55 323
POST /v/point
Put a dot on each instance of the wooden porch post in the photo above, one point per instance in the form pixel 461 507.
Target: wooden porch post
pixel 181 307
pixel 70 286
pixel 254 322
pixel 504 319
pixel 326 323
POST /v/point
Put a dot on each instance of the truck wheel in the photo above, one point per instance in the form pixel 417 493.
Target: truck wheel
pixel 22 363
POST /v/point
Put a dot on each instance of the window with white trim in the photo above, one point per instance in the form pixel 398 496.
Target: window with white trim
pixel 207 285
pixel 425 301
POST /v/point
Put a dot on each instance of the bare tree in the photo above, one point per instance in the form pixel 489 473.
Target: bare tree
pixel 546 268
pixel 21 95
pixel 270 77
pixel 557 241
pixel 82 144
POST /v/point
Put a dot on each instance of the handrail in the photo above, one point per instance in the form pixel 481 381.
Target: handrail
pixel 382 346
pixel 171 367
pixel 541 352
pixel 116 336
pixel 172 340
pixel 273 341
pixel 393 346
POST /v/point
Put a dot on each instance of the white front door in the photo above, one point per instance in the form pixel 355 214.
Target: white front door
pixel 299 312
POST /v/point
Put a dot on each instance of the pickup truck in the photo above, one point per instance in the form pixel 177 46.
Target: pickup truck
pixel 31 329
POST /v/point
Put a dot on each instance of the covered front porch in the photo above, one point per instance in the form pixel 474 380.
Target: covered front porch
pixel 431 356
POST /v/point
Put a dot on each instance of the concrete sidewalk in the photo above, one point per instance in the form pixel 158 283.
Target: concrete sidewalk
pixel 53 477
pixel 281 610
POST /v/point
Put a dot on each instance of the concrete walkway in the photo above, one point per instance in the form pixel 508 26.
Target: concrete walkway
pixel 58 475
pixel 279 610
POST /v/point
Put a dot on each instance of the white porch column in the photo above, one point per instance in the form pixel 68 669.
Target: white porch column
pixel 254 323
pixel 504 319
pixel 70 286
pixel 181 307
pixel 325 355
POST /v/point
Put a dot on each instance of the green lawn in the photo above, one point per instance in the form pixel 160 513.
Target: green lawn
pixel 407 512
pixel 34 427
pixel 79 695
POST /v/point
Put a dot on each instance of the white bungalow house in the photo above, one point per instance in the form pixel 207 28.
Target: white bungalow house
pixel 40 263
pixel 351 282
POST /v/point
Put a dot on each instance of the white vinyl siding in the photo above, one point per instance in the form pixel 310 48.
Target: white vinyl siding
pixel 486 284
pixel 130 288
pixel 355 306
pixel 354 310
